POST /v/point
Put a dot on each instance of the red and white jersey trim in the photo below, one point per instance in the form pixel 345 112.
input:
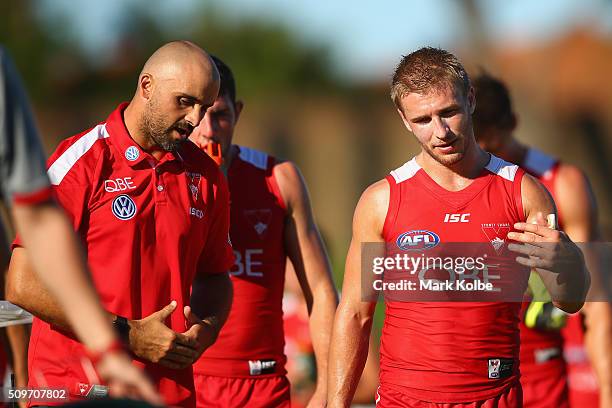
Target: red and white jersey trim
pixel 254 157
pixel 502 168
pixel 496 166
pixel 539 163
pixel 407 171
pixel 58 170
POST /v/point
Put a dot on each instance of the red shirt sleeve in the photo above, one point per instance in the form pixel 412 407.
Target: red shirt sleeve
pixel 71 193
pixel 218 256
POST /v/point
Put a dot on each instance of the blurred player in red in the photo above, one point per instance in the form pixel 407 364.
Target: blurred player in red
pixel 435 353
pixel 543 368
pixel 271 220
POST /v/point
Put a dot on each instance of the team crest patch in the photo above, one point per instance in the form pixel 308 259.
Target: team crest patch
pixel 496 233
pixel 500 368
pixel 132 153
pixel 124 207
pixel 194 183
pixel 259 220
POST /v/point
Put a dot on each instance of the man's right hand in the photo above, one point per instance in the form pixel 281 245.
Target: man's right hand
pixel 152 340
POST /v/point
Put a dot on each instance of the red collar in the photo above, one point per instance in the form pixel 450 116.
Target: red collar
pixel 128 148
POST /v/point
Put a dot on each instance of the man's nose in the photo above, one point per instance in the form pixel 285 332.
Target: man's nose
pixel 195 115
pixel 442 130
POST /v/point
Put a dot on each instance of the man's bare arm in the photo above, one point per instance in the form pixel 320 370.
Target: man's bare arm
pixel 549 252
pixel 211 301
pixel 24 288
pixel 149 338
pixel 309 258
pixel 353 322
pixel 578 208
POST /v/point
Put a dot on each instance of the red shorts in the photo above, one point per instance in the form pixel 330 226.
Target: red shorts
pixel 512 397
pixel 267 392
pixel 545 385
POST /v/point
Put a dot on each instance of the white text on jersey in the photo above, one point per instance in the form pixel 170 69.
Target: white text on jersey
pixel 248 264
pixel 457 217
pixel 119 184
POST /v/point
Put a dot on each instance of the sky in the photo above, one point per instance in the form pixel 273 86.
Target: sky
pixel 365 36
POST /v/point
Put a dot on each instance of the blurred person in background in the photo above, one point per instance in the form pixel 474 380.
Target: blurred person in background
pixel 153 212
pixel 55 254
pixel 446 353
pixel 544 374
pixel 271 219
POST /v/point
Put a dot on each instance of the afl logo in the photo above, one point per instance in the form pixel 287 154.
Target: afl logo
pixel 132 153
pixel 124 207
pixel 417 240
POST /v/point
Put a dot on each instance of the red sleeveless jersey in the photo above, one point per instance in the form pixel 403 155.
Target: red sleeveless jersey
pixel 252 341
pixel 451 351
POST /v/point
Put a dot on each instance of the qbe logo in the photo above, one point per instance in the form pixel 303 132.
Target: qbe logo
pixel 124 207
pixel 417 240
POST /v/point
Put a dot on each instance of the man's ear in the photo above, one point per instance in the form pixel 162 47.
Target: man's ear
pixel 406 122
pixel 238 105
pixel 471 99
pixel 145 85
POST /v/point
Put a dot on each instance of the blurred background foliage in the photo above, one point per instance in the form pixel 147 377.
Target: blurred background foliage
pixel 342 132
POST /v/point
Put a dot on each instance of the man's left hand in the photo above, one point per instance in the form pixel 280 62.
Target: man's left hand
pixel 546 248
pixel 201 332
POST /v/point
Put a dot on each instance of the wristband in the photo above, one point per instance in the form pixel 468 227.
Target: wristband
pixel 122 327
pixel 96 356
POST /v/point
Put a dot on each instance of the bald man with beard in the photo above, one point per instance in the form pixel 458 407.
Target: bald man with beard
pixel 153 214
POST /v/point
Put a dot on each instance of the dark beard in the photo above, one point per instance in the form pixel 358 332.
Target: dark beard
pixel 155 130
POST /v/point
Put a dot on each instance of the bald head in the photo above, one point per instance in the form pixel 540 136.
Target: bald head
pixel 176 86
pixel 177 57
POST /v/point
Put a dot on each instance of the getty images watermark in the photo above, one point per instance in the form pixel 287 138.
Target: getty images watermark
pixel 421 268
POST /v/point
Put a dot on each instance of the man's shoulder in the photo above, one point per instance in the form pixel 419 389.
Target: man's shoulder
pixel 405 172
pixel 501 168
pixel 377 194
pixel 256 158
pixel 77 152
pixel 569 174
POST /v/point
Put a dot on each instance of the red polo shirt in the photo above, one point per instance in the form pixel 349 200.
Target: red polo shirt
pixel 149 227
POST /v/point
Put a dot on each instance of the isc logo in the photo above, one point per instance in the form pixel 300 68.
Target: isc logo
pixel 417 240
pixel 457 217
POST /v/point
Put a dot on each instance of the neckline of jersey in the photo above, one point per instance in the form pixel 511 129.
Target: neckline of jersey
pixel 122 140
pixel 460 198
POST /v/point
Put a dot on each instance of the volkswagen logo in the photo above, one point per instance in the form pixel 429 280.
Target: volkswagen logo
pixel 132 153
pixel 124 207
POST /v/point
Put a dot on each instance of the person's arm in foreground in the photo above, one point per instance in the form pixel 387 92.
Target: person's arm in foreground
pixel 353 322
pixel 577 205
pixel 548 251
pixel 307 254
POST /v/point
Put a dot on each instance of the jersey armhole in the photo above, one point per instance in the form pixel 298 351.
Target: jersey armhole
pixel 518 195
pixel 393 206
pixel 273 184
